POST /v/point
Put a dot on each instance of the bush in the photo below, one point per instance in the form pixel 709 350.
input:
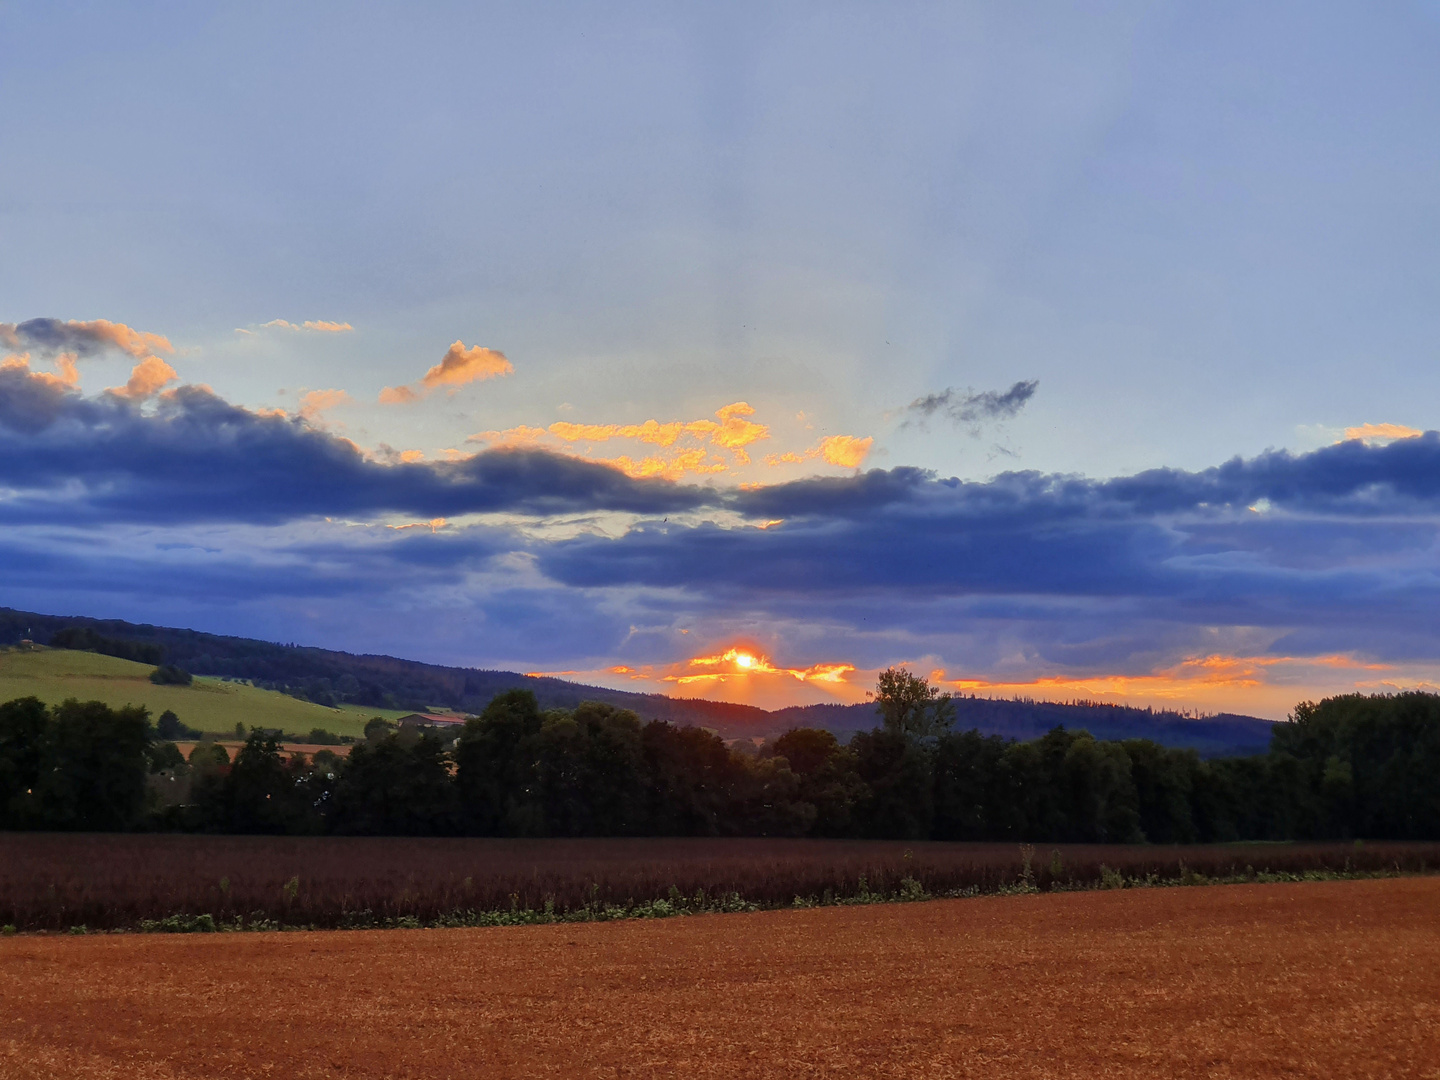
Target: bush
pixel 170 675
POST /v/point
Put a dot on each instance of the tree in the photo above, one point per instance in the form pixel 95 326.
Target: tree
pixel 398 786
pixel 496 767
pixel 170 675
pixel 170 727
pixel 897 775
pixel 806 749
pixel 910 706
pixel 93 765
pixel 265 793
pixel 22 730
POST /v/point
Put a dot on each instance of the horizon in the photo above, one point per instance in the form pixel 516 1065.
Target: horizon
pixel 739 353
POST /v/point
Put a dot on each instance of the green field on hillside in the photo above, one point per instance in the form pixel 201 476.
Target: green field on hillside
pixel 52 675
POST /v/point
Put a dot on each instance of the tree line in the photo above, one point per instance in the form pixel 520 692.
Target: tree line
pixel 1350 766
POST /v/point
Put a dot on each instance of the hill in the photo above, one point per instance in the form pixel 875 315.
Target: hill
pixel 208 704
pixel 364 684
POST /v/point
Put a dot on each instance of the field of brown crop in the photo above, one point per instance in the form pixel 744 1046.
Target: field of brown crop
pixel 57 881
pixel 1327 979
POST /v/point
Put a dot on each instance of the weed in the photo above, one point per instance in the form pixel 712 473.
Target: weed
pixel 1027 873
pixel 159 881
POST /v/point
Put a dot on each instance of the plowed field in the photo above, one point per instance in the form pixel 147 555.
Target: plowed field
pixel 1328 979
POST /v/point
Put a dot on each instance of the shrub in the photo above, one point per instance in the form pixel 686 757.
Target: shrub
pixel 170 675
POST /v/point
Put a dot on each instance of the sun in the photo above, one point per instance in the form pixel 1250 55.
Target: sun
pixel 744 660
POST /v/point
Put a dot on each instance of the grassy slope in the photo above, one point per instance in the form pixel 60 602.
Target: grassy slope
pixel 53 675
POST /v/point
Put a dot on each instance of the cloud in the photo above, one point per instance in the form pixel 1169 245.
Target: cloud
pixel 458 367
pixel 398 395
pixel 320 326
pixel 319 401
pixel 731 431
pixel 1367 432
pixel 521 435
pixel 146 379
pixel 52 336
pixel 745 662
pixel 968 407
pixel 29 401
pixel 651 431
pixel 65 457
pixel 846 451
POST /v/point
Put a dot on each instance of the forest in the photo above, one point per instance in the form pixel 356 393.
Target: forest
pixel 1347 767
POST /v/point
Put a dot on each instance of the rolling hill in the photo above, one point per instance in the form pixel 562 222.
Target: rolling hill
pixel 52 675
pixel 291 676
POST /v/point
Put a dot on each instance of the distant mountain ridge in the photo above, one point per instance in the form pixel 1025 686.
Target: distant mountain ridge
pixel 327 677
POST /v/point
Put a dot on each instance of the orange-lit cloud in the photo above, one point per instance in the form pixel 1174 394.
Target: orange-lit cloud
pixel 685 447
pixel 147 377
pixel 731 431
pixel 398 395
pixel 134 343
pixel 410 456
pixel 318 401
pixel 69 375
pixel 460 365
pixel 674 467
pixel 321 326
pixel 67 379
pixel 651 431
pixel 846 451
pixel 456 368
pixel 521 435
pixel 742 662
pixel 1367 432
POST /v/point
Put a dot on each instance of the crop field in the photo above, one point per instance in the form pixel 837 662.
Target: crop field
pixel 52 675
pixel 58 881
pixel 1322 979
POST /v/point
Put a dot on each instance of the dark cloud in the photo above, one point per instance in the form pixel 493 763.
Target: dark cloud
pixel 1347 538
pixel 968 407
pixel 54 336
pixel 195 457
pixel 1350 478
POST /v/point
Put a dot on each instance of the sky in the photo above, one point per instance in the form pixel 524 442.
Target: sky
pixel 737 351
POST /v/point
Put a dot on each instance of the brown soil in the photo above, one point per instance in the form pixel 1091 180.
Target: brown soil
pixel 1327 979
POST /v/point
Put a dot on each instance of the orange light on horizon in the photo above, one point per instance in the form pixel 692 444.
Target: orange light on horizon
pixel 744 662
pixel 1195 676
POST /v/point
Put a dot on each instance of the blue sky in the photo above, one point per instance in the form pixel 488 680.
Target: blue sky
pixel 1109 245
